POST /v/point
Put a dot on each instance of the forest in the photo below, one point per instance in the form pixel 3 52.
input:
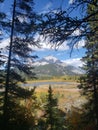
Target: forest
pixel 72 106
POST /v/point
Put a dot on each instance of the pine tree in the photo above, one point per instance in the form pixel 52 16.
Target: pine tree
pixel 54 121
pixel 23 29
pixel 60 25
pixel 89 83
pixel 2 57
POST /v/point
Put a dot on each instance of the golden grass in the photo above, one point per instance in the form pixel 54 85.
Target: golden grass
pixel 54 79
pixel 66 94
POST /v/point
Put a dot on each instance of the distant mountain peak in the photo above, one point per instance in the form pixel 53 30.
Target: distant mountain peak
pixel 51 65
pixel 50 57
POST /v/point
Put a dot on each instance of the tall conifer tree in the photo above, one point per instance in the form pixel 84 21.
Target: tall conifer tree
pixel 23 29
pixel 89 83
pixel 54 120
pixel 2 18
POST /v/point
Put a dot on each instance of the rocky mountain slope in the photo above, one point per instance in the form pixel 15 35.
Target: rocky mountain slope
pixel 51 66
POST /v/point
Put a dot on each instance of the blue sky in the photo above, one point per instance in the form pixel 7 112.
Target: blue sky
pixel 63 52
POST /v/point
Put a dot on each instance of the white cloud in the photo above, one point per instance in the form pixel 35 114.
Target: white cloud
pixel 74 62
pixel 80 44
pixel 77 32
pixel 71 1
pixel 64 46
pixel 4 43
pixel 45 44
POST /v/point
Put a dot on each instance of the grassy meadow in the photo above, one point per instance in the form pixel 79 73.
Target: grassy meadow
pixel 69 101
pixel 68 95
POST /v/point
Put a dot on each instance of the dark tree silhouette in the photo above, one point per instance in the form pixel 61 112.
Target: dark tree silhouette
pixel 22 27
pixel 54 118
pixel 89 83
pixel 59 26
pixel 2 58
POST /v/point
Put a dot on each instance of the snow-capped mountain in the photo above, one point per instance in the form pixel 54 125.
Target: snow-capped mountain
pixel 52 59
pixel 51 66
pixel 48 60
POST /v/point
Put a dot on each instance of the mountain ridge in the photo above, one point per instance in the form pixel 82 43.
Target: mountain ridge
pixel 51 66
